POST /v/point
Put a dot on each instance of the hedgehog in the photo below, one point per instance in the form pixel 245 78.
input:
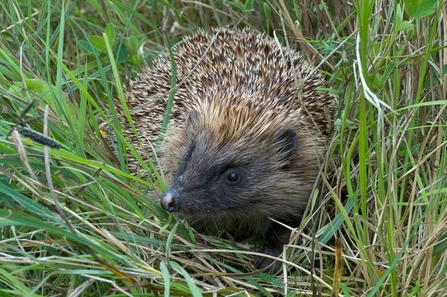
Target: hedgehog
pixel 248 131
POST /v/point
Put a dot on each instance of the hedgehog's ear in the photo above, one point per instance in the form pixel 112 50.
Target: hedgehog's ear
pixel 287 140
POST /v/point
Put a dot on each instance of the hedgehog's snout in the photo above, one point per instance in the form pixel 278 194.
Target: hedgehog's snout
pixel 170 200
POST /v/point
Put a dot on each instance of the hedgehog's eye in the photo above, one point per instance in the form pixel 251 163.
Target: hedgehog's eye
pixel 233 177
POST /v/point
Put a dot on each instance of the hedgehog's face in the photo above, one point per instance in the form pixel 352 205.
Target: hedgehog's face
pixel 215 173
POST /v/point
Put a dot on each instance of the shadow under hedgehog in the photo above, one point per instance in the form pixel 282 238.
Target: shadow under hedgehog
pixel 248 130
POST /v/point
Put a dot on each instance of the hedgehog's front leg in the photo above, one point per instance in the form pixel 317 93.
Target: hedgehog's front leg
pixel 276 238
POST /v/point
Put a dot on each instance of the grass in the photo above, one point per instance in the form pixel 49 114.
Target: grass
pixel 75 222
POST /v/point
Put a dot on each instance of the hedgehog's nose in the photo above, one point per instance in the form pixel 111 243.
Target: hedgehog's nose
pixel 170 200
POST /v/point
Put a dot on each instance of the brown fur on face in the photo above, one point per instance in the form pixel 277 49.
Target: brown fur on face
pixel 248 129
